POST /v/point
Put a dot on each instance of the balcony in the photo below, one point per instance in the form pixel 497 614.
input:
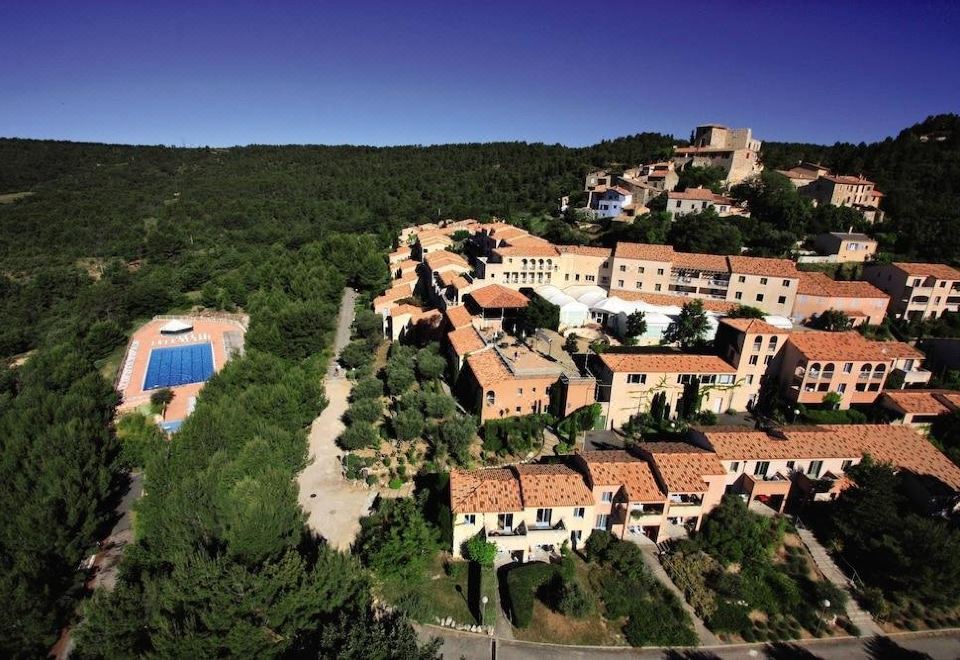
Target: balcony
pixel 914 376
pixel 519 530
pixel 685 501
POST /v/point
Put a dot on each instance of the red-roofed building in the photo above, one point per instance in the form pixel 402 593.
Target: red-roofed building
pixel 917 290
pixel 695 200
pixel 855 192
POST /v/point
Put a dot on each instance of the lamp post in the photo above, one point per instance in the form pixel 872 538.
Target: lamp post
pixel 484 600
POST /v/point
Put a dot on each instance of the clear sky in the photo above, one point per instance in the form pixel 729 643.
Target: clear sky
pixel 412 71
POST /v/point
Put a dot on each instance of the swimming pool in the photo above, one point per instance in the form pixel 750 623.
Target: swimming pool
pixel 179 365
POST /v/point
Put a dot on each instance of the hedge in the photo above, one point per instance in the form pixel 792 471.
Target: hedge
pixel 523 582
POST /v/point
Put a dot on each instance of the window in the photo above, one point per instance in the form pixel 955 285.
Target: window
pixel 750 379
pixel 636 379
pixel 846 464
pixel 763 280
pixel 767 359
pixel 759 297
pixel 641 269
pixel 579 512
pixel 504 522
pixel 606 496
pixel 590 278
pixel 639 285
pixel 760 469
pixel 575 537
pixel 601 521
pixel 781 300
pixel 815 467
pixel 623 269
pixel 491 397
pixel 678 203
pixel 847 367
pixel 519 391
pixel 604 279
pixel 656 287
pixel 734 466
pixel 841 388
pixel 518 409
pixel 725 379
pixel 738 295
pixel 619 284
pixel 790 465
pixel 758 343
pixel 742 279
pixel 470 519
pixel 773 343
pixel 544 516
pixel 753 359
pixel 786 283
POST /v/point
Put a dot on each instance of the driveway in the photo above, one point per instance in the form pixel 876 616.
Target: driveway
pixel 333 505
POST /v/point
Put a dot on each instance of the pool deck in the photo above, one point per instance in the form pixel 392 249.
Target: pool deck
pixel 221 332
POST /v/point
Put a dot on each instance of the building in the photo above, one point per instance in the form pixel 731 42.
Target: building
pixel 805 173
pixel 754 348
pixel 918 291
pixel 611 202
pixel 691 477
pixel 695 200
pixel 809 462
pixel 855 192
pixel 817 293
pixel 627 382
pixel 713 145
pixel 816 363
pixel 920 407
pixel 846 246
pixel 495 306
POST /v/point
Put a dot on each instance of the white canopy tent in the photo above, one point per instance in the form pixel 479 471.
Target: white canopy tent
pixel 573 314
pixel 175 326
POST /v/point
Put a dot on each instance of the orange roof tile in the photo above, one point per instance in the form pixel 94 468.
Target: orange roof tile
pixel 552 485
pixel 849 346
pixel 405 265
pixel 697 260
pixel 700 195
pixel 644 251
pixel 683 467
pixel 938 271
pixel 669 363
pixel 917 402
pixel 465 340
pixel 819 284
pixel 754 326
pixel 846 179
pixel 443 257
pixel 496 296
pixel 527 240
pixel 664 299
pixel 763 266
pixel 488 369
pixel 619 468
pixel 585 251
pixel 484 491
pixel 458 316
pixel 533 250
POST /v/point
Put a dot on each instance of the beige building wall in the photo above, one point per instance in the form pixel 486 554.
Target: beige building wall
pixel 525 534
pixel 808 381
pixel 774 295
pixel 870 310
pixel 640 275
pixel 915 296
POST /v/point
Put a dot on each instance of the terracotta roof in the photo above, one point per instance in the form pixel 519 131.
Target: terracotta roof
pixel 644 251
pixel 846 179
pixel 918 402
pixel 443 257
pixel 585 251
pixel 552 485
pixel 465 340
pixel 763 266
pixel 395 293
pixel 683 467
pixel 534 250
pixel 619 189
pixel 754 326
pixel 528 239
pixel 819 284
pixel 894 443
pixel 797 173
pixel 849 346
pixel 700 194
pixel 484 491
pixel 504 231
pixel 669 363
pixel 405 309
pixel 938 271
pixel 496 296
pixel 618 468
pixel 716 262
pixel 487 368
pixel 405 265
pixel 458 316
pixel 402 251
pixel 666 300
pixel 433 236
pixel 454 279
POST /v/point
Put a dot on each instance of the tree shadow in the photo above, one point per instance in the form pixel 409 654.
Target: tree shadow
pixel 884 648
pixel 784 651
pixel 673 654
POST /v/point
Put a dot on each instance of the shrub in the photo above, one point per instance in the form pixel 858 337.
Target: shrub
pixel 356 354
pixel 481 551
pixel 365 410
pixel 655 623
pixel 368 388
pixel 140 439
pixel 430 364
pixel 408 424
pixel 596 546
pixel 372 479
pixel 523 582
pixel 573 601
pixel 438 406
pixel 359 436
pixel 729 617
pixel 395 483
pixel 689 572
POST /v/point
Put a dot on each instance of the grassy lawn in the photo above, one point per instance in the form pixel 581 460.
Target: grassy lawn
pixel 549 625
pixel 443 592
pixel 110 365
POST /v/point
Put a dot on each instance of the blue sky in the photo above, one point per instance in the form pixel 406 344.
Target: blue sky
pixel 226 73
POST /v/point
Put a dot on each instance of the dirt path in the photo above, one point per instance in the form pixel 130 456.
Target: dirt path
pixel 333 505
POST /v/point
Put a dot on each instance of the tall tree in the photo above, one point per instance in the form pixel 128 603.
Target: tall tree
pixel 691 327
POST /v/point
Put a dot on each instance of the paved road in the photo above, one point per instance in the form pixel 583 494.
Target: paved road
pixel 333 505
pixel 905 646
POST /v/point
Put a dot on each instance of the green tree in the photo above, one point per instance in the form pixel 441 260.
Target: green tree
pixel 359 435
pixel 368 325
pixel 746 312
pixel 833 320
pixel 691 327
pixel 570 344
pixel 636 324
pixel 365 410
pixel 706 232
pixel 161 398
pixel 430 364
pixel 456 436
pixel 710 176
pixel 408 424
pixel 399 377
pixel 396 542
pixel 356 354
pixel 731 533
pixel 480 550
pixel 539 313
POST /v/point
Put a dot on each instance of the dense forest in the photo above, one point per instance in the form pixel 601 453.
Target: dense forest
pixel 95 238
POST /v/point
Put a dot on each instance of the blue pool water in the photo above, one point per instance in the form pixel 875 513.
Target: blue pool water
pixel 179 365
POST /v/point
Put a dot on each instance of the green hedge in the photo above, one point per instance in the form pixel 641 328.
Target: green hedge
pixel 523 582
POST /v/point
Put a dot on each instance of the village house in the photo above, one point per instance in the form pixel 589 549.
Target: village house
pixel 846 246
pixel 854 192
pixel 918 291
pixel 695 200
pixel 920 407
pixel 754 348
pixel 713 145
pixel 816 363
pixel 818 293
